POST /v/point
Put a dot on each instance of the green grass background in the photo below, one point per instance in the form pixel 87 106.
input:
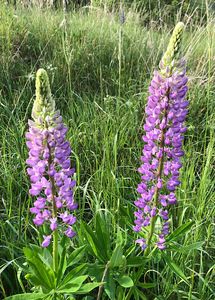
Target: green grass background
pixel 100 72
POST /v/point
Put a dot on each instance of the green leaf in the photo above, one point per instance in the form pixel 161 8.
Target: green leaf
pixel 62 265
pixel 4 266
pixel 141 295
pixel 35 248
pixel 43 257
pixel 33 279
pixel 73 286
pixel 93 242
pixel 88 287
pixel 180 230
pixel 28 252
pixel 19 278
pixel 110 286
pixel 76 256
pixel 117 257
pixel 125 281
pixel 136 261
pixel 96 270
pixel 191 247
pixel 119 237
pixel 120 292
pixel 26 296
pixel 148 285
pixel 103 236
pixel 40 270
pixel 47 256
pixel 175 268
pixel 135 294
pixel 78 271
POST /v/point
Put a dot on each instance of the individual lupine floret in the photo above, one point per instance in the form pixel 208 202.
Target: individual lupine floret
pixel 49 164
pixel 161 161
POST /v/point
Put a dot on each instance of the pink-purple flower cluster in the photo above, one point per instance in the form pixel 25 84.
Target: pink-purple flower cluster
pixel 165 113
pixel 50 174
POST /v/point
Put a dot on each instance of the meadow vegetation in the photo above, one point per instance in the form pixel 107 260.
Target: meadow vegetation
pixel 99 71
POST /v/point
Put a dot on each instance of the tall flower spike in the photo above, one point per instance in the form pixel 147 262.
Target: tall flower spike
pixel 165 113
pixel 49 164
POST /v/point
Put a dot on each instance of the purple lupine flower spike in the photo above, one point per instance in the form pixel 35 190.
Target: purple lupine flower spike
pixel 161 160
pixel 49 164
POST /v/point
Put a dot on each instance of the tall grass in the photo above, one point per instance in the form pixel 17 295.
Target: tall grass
pixel 105 131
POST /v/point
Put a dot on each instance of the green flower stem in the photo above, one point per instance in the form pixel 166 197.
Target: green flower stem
pixel 101 288
pixel 54 215
pixel 55 250
pixel 55 233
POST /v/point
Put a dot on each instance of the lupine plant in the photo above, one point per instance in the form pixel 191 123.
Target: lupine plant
pixel 52 187
pixel 161 160
pixel 116 271
pixel 166 111
pixel 49 167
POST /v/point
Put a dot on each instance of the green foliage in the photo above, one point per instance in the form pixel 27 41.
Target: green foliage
pixel 27 296
pixel 67 281
pixel 110 262
pixel 162 11
pixel 105 132
pixel 166 11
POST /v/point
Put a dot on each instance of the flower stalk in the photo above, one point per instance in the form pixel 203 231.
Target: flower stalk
pixel 165 113
pixel 49 168
pixel 54 216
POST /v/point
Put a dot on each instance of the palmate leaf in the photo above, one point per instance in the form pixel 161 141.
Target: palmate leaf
pixel 27 296
pixel 43 273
